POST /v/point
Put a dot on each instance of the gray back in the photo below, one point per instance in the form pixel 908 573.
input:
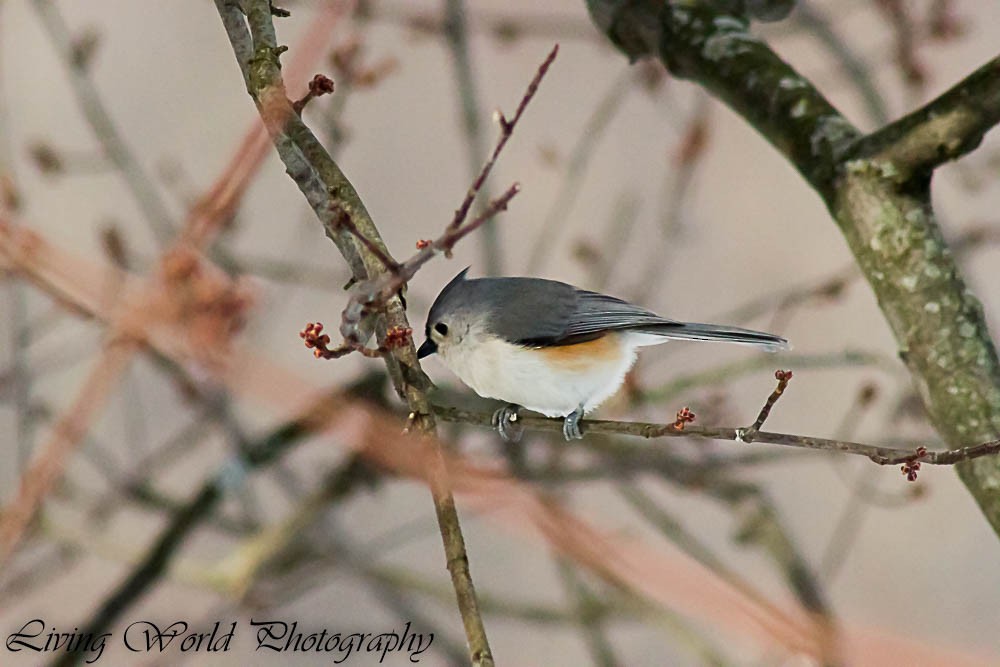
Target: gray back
pixel 538 312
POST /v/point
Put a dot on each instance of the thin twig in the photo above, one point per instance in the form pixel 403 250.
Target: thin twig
pixel 506 129
pixel 370 295
pixel 783 378
pixel 342 220
pixel 456 34
pixel 879 455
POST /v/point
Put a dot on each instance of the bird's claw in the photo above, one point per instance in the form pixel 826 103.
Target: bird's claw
pixel 505 422
pixel 571 425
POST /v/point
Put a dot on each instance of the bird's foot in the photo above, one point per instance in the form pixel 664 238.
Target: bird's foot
pixel 571 425
pixel 505 421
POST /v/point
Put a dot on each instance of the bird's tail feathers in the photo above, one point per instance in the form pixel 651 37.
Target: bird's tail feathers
pixel 714 332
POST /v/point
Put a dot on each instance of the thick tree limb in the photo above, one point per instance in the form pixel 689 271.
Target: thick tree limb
pixel 883 208
pixel 944 129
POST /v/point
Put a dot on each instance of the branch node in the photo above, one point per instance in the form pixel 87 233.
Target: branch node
pixel 341 220
pixel 747 435
pixel 279 12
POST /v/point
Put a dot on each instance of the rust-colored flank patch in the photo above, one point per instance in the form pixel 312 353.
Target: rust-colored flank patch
pixel 605 348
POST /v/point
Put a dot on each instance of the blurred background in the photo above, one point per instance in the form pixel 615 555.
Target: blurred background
pixel 117 119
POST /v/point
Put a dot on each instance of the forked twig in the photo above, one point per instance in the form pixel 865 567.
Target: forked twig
pixel 748 434
pixel 369 296
pixel 506 129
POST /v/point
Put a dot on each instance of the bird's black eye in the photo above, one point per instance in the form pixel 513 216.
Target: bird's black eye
pixel 441 328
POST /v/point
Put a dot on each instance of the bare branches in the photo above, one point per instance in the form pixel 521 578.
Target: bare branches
pixel 910 458
pixel 369 296
pixel 378 277
pixel 506 129
pixel 146 195
pixel 877 190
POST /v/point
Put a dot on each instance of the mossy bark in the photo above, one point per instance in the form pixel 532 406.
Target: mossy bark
pixel 877 188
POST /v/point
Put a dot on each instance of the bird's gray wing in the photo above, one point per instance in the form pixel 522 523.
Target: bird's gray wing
pixel 526 311
pixel 547 312
pixel 598 313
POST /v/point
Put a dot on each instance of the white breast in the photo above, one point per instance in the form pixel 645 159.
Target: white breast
pixel 552 384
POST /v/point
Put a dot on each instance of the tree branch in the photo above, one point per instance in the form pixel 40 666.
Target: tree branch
pixel 716 50
pixel 944 129
pixel 742 434
pixel 377 275
pixel 883 210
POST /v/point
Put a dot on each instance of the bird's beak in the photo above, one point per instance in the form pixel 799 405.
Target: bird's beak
pixel 427 349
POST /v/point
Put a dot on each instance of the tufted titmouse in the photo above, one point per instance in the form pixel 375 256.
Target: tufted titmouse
pixel 551 347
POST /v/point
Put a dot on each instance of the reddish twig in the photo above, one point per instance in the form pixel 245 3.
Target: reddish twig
pixel 748 434
pixel 342 220
pixel 319 342
pixel 506 129
pixel 370 295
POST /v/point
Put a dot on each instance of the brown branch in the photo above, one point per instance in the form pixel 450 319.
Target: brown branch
pixel 323 183
pixel 783 378
pixel 376 291
pixel 506 129
pixel 879 455
pixel 378 278
pixel 342 220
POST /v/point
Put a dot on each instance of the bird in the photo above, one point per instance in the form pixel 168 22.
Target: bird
pixel 550 347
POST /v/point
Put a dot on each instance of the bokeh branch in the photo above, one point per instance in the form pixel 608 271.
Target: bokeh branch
pixel 877 190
